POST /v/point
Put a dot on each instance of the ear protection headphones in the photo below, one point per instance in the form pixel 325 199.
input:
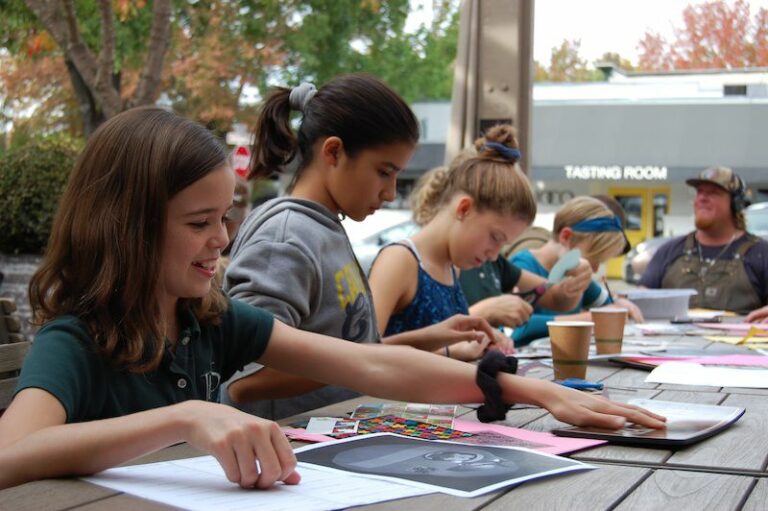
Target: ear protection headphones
pixel 739 199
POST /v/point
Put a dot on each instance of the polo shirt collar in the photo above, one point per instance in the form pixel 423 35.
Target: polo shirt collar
pixel 188 323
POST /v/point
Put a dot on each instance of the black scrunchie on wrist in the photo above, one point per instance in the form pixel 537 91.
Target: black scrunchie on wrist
pixel 494 408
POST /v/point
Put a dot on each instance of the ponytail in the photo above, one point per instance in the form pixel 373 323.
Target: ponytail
pixel 274 142
pixel 358 108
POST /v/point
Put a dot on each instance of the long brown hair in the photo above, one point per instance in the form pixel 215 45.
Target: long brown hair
pixel 103 258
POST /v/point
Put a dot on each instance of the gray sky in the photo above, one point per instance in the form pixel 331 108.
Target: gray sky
pixel 601 25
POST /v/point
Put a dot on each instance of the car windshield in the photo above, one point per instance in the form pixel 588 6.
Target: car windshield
pixel 757 219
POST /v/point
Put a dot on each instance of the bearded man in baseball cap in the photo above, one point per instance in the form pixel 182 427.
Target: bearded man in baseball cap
pixel 725 264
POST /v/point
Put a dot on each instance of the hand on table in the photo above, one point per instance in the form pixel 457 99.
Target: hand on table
pixel 758 315
pixel 583 409
pixel 237 440
pixel 634 311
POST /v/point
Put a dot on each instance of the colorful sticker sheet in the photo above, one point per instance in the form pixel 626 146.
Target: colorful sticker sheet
pixel 400 426
pixel 409 427
pixel 438 415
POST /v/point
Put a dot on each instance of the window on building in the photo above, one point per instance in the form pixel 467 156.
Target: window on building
pixel 734 90
pixel 633 207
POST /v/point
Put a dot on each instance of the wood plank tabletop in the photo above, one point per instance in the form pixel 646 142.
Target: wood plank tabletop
pixel 672 489
pixel 594 490
pixel 727 471
pixel 758 497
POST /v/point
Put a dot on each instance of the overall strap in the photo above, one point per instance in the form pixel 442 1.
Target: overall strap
pixel 750 242
pixel 690 243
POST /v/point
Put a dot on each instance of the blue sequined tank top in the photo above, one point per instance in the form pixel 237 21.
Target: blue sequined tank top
pixel 433 302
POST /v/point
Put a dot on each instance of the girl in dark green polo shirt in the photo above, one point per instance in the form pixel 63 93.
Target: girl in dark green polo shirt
pixel 136 337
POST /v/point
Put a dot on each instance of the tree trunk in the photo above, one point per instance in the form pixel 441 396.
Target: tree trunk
pixel 96 85
pixel 89 111
pixel 159 39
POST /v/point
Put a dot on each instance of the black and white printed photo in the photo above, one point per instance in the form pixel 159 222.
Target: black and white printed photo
pixel 468 469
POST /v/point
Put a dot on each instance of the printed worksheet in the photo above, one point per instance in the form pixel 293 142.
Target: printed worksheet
pixel 199 484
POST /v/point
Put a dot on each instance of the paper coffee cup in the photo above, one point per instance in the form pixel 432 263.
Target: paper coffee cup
pixel 609 328
pixel 570 347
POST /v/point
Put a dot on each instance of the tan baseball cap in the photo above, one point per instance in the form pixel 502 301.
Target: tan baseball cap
pixel 724 177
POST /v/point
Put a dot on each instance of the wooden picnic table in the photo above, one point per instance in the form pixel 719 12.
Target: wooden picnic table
pixel 726 472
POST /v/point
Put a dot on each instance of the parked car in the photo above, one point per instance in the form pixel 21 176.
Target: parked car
pixel 756 216
pixel 379 229
pixel 638 258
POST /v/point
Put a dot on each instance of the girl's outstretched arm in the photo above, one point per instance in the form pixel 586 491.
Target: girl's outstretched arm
pixel 406 374
pixel 35 443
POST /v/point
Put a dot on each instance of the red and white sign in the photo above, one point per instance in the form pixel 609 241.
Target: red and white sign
pixel 241 157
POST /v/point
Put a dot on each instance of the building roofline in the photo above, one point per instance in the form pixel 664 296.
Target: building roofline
pixel 610 67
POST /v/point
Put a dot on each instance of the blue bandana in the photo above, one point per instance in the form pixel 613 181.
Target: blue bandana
pixel 600 224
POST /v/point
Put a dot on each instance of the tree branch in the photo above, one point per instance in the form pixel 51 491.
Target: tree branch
pixel 58 18
pixel 147 89
pixel 81 55
pixel 106 64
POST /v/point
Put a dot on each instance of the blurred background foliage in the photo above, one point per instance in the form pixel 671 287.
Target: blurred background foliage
pixel 32 177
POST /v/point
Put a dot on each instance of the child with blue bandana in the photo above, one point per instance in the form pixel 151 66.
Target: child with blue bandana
pixel 589 225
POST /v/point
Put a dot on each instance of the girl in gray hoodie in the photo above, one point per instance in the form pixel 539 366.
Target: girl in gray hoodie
pixel 292 255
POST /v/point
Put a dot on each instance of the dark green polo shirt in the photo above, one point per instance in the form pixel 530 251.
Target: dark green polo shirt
pixel 63 362
pixel 491 279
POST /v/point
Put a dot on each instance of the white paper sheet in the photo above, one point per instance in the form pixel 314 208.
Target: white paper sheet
pixel 200 484
pixel 704 314
pixel 659 329
pixel 686 373
pixel 321 425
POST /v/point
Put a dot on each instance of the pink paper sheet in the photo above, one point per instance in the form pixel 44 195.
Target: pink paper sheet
pixel 550 443
pixel 555 444
pixel 301 434
pixel 721 360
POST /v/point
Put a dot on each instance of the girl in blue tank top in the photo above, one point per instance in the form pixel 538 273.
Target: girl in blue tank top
pixel 469 212
pixel 433 302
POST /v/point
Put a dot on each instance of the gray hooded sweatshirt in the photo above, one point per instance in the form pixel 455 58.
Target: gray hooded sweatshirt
pixel 292 257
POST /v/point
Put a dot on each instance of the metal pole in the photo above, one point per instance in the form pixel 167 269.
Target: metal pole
pixel 494 72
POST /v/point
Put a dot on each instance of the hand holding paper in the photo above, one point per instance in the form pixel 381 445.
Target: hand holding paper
pixel 567 262
pixel 575 278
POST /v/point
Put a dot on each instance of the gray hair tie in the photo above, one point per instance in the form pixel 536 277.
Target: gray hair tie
pixel 301 95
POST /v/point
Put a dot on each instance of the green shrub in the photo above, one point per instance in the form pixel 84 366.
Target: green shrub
pixel 32 178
